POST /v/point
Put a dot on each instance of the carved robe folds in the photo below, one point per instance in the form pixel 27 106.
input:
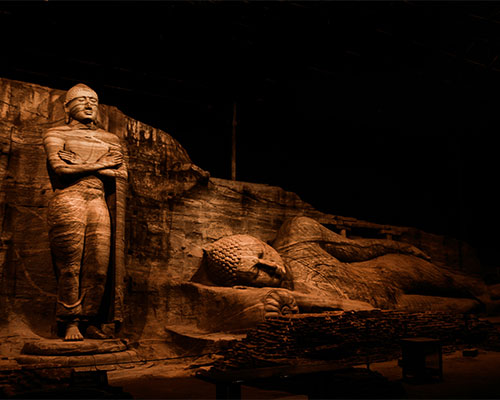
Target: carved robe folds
pixel 86 225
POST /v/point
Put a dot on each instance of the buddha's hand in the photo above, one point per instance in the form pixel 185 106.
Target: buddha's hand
pixel 69 157
pixel 111 159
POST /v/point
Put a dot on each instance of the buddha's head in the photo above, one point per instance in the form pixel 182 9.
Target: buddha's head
pixel 81 104
pixel 245 260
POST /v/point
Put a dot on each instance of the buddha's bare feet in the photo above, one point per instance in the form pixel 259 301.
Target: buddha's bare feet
pixel 93 332
pixel 72 333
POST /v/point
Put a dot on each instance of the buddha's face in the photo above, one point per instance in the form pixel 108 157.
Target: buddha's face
pixel 83 108
pixel 260 267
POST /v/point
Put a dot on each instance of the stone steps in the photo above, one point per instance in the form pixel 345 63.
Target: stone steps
pixel 82 355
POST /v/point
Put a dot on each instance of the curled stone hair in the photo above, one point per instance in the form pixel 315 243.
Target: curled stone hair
pixel 76 91
pixel 79 90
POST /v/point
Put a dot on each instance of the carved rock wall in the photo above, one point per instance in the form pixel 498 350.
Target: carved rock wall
pixel 173 209
pixel 27 279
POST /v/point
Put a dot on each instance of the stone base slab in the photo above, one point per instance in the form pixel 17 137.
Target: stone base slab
pixel 58 347
pixel 107 361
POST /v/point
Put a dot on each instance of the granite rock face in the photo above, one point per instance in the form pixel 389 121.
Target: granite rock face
pixel 174 209
pixel 159 167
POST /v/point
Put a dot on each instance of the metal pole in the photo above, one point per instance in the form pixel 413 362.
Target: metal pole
pixel 233 155
pixel 461 225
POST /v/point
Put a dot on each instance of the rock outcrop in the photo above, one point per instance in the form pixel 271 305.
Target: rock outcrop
pixel 174 209
pixel 160 169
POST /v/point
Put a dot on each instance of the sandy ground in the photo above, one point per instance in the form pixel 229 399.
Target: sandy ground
pixel 463 378
pixel 176 381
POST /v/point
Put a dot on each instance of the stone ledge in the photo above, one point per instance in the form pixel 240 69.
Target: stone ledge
pixel 57 347
pixel 95 361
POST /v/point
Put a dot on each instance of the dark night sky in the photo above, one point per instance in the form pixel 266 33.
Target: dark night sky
pixel 383 111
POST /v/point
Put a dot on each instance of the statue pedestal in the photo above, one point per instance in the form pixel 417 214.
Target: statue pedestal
pixel 88 354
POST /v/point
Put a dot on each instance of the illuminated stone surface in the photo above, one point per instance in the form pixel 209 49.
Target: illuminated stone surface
pixel 28 284
pixel 56 347
pixel 245 260
pixel 88 173
pixel 384 273
pixel 174 210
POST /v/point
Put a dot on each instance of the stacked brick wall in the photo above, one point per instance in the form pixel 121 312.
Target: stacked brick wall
pixel 354 337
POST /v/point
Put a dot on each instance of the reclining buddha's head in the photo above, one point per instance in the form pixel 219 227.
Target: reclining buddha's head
pixel 244 260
